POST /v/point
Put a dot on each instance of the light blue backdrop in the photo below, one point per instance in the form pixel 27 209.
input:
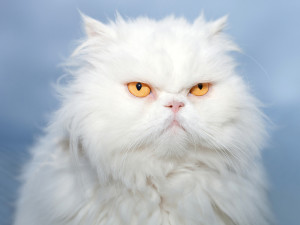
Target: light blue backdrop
pixel 35 37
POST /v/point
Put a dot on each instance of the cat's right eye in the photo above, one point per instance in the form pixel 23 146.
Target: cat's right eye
pixel 139 89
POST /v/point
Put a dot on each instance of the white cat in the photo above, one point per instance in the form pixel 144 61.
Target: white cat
pixel 155 128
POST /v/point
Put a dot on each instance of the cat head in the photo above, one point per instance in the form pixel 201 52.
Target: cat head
pixel 172 59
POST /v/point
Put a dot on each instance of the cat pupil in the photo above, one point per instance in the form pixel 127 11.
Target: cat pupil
pixel 138 86
pixel 200 86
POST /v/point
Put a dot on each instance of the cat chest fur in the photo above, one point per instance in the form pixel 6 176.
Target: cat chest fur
pixel 188 194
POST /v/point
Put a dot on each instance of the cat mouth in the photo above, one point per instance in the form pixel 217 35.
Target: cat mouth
pixel 175 124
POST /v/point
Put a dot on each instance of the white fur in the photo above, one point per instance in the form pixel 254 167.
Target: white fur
pixel 109 157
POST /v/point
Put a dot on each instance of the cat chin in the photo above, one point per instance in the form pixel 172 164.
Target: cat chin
pixel 174 142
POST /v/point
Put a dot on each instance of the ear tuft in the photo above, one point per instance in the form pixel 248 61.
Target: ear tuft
pixel 94 27
pixel 219 25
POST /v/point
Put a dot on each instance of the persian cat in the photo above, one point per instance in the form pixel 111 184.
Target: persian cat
pixel 155 127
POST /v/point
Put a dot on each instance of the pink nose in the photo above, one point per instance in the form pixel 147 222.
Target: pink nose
pixel 175 106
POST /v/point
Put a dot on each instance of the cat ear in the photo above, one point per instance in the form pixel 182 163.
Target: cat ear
pixel 94 28
pixel 217 26
pixel 214 27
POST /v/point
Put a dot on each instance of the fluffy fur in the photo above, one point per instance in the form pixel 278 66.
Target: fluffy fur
pixel 110 158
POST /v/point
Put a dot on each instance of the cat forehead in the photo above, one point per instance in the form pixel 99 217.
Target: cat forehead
pixel 167 60
pixel 160 52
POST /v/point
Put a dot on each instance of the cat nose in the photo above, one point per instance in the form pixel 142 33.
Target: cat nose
pixel 175 106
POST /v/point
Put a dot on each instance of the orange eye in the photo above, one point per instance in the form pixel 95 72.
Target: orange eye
pixel 139 89
pixel 199 89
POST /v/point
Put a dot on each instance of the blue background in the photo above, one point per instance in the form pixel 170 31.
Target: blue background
pixel 36 36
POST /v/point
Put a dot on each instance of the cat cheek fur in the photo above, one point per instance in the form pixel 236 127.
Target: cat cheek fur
pixel 109 157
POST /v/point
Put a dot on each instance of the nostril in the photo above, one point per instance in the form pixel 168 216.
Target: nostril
pixel 175 106
pixel 180 104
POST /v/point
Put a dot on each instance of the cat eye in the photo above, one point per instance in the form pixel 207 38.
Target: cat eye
pixel 139 89
pixel 199 89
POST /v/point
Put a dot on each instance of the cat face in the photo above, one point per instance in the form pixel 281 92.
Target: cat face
pixel 169 57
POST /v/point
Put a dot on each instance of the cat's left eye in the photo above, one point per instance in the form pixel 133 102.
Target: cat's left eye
pixel 200 89
pixel 139 89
